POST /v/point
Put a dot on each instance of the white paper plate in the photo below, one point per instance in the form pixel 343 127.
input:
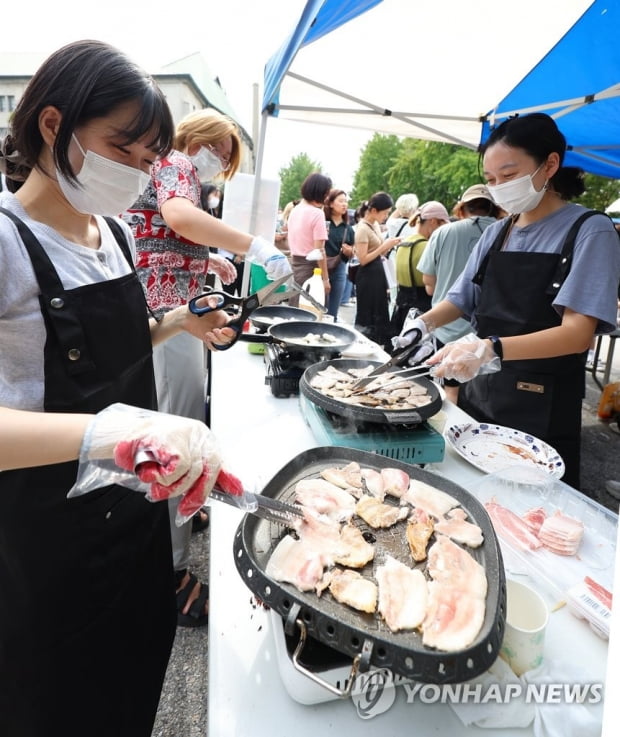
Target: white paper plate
pixel 492 448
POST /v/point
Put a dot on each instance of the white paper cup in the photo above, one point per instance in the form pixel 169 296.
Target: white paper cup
pixel 527 615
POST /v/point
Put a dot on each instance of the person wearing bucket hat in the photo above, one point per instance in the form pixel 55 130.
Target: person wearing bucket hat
pixel 537 287
pixel 411 292
pixel 446 254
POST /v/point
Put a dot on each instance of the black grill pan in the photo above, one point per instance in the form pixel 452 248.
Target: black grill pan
pixel 354 633
pixel 357 413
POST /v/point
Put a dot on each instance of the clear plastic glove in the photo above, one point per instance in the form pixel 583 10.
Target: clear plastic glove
pixel 268 256
pixel 414 331
pixel 222 268
pixel 465 358
pixel 161 454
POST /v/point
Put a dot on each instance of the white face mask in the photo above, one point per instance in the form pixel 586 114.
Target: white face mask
pixel 103 187
pixel 207 163
pixel 518 195
pixel 213 203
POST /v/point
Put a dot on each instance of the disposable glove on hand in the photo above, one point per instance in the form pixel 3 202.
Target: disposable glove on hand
pixel 414 330
pixel 222 268
pixel 265 254
pixel 170 455
pixel 465 358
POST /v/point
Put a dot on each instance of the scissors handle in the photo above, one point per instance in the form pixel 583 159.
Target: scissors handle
pixel 223 301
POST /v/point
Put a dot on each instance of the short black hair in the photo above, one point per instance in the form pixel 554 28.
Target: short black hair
pixel 85 80
pixel 315 187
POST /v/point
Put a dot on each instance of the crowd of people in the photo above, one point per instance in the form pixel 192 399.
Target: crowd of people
pixel 111 223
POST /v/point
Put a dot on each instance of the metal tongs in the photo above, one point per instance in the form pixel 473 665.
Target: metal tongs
pixel 368 388
pixel 265 507
pixel 395 361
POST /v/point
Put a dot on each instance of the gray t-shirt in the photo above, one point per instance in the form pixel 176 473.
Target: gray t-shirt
pixel 22 330
pixel 445 256
pixel 591 285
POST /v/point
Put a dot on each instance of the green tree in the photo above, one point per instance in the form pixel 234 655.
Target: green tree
pixel 434 171
pixel 293 175
pixel 376 160
pixel 600 192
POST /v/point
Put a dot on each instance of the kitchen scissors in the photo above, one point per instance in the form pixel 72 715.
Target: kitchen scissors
pixel 242 307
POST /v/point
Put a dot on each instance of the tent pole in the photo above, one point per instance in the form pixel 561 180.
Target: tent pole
pixel 258 166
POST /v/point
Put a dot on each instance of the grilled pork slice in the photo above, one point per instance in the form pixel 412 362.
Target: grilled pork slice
pixel 457 528
pixel 377 514
pixel 419 530
pixel 402 595
pixel 452 565
pixel 561 534
pixel 431 500
pixel 351 549
pixel 350 588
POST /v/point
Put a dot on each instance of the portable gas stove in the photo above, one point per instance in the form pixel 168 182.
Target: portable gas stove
pixel 419 443
pixel 285 367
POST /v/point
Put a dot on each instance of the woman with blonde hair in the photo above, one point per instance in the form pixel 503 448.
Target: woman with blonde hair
pixel 173 234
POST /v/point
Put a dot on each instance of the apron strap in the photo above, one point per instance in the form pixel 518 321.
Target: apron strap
pixel 566 257
pixel 495 246
pixel 119 237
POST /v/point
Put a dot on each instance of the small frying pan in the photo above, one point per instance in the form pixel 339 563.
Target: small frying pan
pixel 293 335
pixel 265 317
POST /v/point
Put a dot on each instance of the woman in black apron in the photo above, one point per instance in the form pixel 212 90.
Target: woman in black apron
pixel 87 609
pixel 538 285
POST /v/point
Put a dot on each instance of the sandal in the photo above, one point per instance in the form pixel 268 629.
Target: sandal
pixel 200 521
pixel 195 616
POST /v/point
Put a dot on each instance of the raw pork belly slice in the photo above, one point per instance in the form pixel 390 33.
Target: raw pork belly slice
pixel 374 483
pixel 350 588
pixel 534 519
pixel 322 497
pixel 294 561
pixel 431 500
pixel 457 528
pixel 395 481
pixel 377 514
pixel 561 534
pixel 457 597
pixel 403 595
pixel 511 527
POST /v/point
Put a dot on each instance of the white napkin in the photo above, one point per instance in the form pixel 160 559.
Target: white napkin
pixel 493 714
pixel 562 719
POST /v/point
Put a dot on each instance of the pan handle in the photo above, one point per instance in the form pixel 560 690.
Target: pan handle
pixel 256 338
pixel 342 693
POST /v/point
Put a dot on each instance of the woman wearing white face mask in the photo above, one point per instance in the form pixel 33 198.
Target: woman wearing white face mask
pixel 537 287
pixel 173 234
pixel 87 609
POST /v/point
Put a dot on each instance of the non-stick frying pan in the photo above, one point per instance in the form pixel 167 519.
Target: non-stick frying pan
pixel 265 317
pixel 358 412
pixel 292 335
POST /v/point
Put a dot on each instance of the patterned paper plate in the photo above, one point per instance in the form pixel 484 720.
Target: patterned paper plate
pixel 492 448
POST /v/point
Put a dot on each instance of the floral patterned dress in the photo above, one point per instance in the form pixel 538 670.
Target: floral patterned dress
pixel 172 268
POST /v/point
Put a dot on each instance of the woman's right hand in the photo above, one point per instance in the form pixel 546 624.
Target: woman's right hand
pixel 391 243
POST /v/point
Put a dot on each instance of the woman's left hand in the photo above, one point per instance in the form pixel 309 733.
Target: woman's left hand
pixel 465 358
pixel 222 268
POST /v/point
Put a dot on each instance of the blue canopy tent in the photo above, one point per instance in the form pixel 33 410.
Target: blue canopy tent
pixel 578 83
pixel 436 70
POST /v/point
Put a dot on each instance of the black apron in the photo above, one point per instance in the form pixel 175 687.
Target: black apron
pixel 543 396
pixel 87 610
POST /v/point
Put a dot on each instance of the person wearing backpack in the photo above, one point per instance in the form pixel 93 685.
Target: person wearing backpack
pixel 537 287
pixel 411 292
